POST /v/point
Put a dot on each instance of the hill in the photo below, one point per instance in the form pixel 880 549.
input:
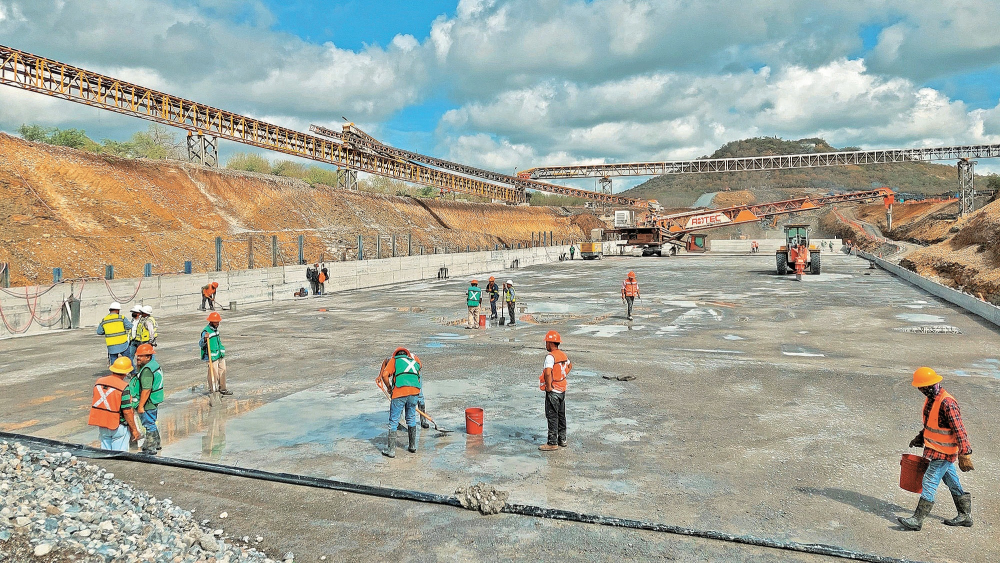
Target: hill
pixel 912 178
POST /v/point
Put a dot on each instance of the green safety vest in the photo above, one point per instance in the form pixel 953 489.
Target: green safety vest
pixel 407 372
pixel 508 294
pixel 114 330
pixel 152 369
pixel 475 296
pixel 218 350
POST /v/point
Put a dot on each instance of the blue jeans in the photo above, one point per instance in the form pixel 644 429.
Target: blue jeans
pixel 938 470
pixel 396 410
pixel 115 440
pixel 148 420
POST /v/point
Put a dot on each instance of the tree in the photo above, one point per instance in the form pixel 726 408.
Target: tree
pixel 249 162
pixel 289 169
pixel 73 138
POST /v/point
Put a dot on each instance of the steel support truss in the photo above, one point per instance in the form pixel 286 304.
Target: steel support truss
pixel 203 149
pixel 966 185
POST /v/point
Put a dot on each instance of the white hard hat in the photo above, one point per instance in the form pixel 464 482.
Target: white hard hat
pixel 136 309
pixel 510 282
pixel 115 306
pixel 147 309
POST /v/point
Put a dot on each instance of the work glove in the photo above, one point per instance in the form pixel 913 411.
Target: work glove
pixel 965 462
pixel 917 442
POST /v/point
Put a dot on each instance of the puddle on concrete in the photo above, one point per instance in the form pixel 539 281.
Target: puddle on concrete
pixel 688 304
pixel 792 350
pixel 553 308
pixel 732 337
pixel 435 345
pixel 705 350
pixel 450 336
pixel 919 318
pixel 605 331
pixel 989 367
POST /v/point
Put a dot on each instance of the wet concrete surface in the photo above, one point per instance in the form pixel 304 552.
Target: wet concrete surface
pixel 761 406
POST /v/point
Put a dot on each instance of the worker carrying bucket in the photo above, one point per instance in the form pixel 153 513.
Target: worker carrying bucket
pixel 944 441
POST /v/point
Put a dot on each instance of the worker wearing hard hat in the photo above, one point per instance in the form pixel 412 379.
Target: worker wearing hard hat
pixel 399 378
pixel 214 352
pixel 510 298
pixel 133 337
pixel 146 391
pixel 553 381
pixel 494 290
pixel 115 329
pixel 944 441
pixel 111 408
pixel 147 317
pixel 473 298
pixel 630 290
pixel 208 295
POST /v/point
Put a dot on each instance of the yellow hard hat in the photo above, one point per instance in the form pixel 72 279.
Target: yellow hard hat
pixel 925 376
pixel 122 366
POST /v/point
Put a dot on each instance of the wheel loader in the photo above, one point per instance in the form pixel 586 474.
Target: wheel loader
pixel 797 255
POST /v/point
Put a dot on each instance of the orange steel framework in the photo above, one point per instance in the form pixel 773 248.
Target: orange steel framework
pixel 45 76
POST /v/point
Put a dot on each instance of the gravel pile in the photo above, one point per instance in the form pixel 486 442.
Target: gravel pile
pixel 66 507
pixel 487 499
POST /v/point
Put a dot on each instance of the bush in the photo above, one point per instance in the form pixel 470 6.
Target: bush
pixel 249 162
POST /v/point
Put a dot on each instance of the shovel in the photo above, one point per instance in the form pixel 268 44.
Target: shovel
pixel 420 413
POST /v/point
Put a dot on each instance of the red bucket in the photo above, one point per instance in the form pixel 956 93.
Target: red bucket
pixel 911 473
pixel 482 321
pixel 474 420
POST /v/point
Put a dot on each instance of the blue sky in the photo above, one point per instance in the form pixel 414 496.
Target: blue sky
pixel 509 84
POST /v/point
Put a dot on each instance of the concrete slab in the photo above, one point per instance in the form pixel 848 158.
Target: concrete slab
pixel 760 406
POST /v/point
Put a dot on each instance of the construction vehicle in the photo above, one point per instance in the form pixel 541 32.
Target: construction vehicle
pixel 591 250
pixel 797 254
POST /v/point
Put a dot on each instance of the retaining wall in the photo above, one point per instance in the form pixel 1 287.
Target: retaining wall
pixel 38 309
pixel 983 309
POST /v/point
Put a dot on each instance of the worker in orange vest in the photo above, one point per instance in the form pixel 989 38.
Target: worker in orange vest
pixel 630 290
pixel 399 378
pixel 208 295
pixel 553 381
pixel 111 408
pixel 945 441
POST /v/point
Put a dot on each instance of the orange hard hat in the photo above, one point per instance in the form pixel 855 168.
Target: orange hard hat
pixel 631 274
pixel 474 282
pixel 925 376
pixel 553 336
pixel 401 349
pixel 145 350
pixel 215 284
pixel 492 278
pixel 215 317
pixel 122 366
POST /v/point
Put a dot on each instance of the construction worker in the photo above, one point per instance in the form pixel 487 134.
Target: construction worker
pixel 111 408
pixel 553 381
pixel 208 295
pixel 133 337
pixel 312 275
pixel 473 298
pixel 572 251
pixel 147 317
pixel 214 352
pixel 630 290
pixel 944 441
pixel 510 298
pixel 494 290
pixel 115 329
pixel 400 379
pixel 322 278
pixel 146 391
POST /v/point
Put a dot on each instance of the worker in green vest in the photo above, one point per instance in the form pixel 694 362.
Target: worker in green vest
pixel 473 298
pixel 400 379
pixel 210 341
pixel 147 394
pixel 115 330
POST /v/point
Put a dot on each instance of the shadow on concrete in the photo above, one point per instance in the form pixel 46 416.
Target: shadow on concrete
pixel 865 503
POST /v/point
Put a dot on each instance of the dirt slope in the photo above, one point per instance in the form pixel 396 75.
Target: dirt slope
pixel 79 211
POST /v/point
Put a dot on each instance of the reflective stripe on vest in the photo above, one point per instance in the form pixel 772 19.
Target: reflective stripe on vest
pixel 508 294
pixel 114 330
pixel 156 391
pixel 105 408
pixel 218 351
pixel 560 369
pixel 935 437
pixel 141 333
pixel 407 372
pixel 631 288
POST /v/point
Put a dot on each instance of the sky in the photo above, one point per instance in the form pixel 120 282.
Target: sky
pixel 511 84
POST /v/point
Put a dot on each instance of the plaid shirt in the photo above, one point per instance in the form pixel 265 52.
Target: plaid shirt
pixel 948 417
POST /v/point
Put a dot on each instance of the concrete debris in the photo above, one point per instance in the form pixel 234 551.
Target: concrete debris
pixel 930 329
pixel 619 377
pixel 65 507
pixel 487 499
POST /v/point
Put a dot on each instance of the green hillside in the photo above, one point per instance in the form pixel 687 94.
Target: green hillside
pixel 682 190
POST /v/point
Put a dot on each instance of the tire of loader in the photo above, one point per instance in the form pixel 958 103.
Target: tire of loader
pixel 782 259
pixel 814 266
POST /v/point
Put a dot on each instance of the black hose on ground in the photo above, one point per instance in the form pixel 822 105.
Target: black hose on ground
pixel 89 452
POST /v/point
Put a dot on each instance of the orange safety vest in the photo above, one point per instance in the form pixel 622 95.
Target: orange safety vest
pixel 322 277
pixel 105 408
pixel 935 437
pixel 560 369
pixel 631 288
pixel 208 291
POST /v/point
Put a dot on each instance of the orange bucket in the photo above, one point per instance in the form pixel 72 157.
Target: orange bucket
pixel 482 321
pixel 474 420
pixel 911 473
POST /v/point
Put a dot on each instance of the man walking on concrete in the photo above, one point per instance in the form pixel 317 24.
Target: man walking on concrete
pixel 111 408
pixel 494 290
pixel 553 381
pixel 146 391
pixel 312 274
pixel 115 329
pixel 208 295
pixel 630 290
pixel 214 352
pixel 510 298
pixel 400 379
pixel 473 298
pixel 945 441
pixel 572 251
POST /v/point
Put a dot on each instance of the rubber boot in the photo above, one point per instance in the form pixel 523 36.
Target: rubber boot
pixel 412 434
pixel 916 521
pixel 390 450
pixel 149 444
pixel 964 506
pixel 156 440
